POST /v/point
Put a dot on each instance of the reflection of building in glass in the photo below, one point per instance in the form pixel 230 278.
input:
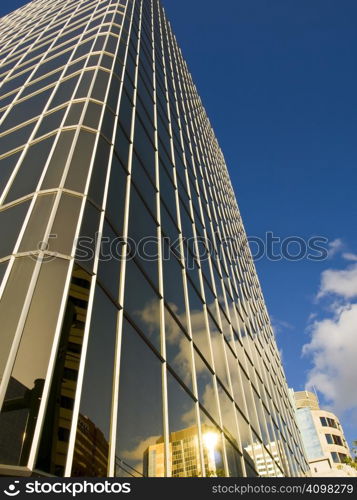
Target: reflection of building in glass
pixel 130 305
pixel 185 454
pixel 267 465
pixel 21 401
pixel 62 395
pixel 18 418
pixel 91 453
pixel 323 438
pixel 154 459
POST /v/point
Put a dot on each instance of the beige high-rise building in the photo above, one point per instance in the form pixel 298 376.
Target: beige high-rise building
pixel 325 444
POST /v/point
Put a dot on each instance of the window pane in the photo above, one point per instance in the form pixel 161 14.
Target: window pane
pixel 116 195
pixel 329 438
pixel 212 448
pixel 6 167
pixel 110 261
pixel 92 446
pixel 54 439
pixel 83 88
pixel 228 415
pixel 26 110
pixel 143 183
pixel 30 368
pixel 88 235
pixel 173 284
pixel 31 169
pixel 3 267
pixel 250 402
pixel 143 233
pixel 100 86
pixel 125 112
pixel 64 91
pixel 144 148
pixel 183 431
pixel 140 387
pixel 74 114
pixel 58 160
pixel 81 160
pixel 51 122
pixel 64 227
pixel 37 224
pixel 16 139
pixel 206 387
pixel 337 440
pixel 220 364
pixel 92 115
pixel 235 380
pixel 11 304
pixel 141 303
pixel 178 350
pixel 121 145
pixel 234 459
pixel 245 438
pixel 11 220
pixel 198 324
pixel 99 172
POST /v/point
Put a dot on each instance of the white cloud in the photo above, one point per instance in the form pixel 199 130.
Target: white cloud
pixel 333 342
pixel 280 326
pixel 340 282
pixel 136 453
pixel 350 256
pixel 333 348
pixel 334 247
pixel 311 317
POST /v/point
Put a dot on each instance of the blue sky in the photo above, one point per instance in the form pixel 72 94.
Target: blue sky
pixel 278 80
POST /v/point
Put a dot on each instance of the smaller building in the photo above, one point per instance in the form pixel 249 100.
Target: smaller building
pixel 185 454
pixel 266 465
pixel 322 434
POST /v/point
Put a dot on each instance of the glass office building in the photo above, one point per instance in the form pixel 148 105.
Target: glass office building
pixel 134 339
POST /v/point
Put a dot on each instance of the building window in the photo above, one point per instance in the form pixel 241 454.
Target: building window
pixel 335 457
pixel 337 440
pixel 323 421
pixel 331 423
pixel 63 434
pixel 329 438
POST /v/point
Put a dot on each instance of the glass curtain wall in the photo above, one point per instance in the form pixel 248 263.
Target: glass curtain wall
pixel 134 336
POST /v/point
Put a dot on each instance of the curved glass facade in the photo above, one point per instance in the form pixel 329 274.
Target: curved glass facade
pixel 134 336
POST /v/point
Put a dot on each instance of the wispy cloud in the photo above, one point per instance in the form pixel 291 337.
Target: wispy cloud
pixel 136 453
pixel 337 246
pixel 279 326
pixel 334 247
pixel 333 348
pixel 333 341
pixel 350 256
pixel 339 282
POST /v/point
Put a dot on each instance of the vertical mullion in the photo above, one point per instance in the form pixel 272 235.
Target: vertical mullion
pixel 123 259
